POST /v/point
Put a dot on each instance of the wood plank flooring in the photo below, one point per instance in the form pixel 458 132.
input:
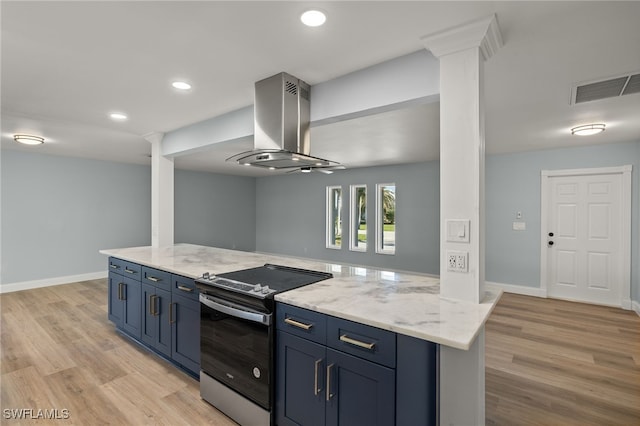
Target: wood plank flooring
pixel 548 362
pixel 59 352
pixel 552 362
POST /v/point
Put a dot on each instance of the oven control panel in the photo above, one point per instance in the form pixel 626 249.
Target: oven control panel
pixel 256 290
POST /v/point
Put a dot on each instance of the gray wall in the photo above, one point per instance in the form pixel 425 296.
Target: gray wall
pixel 57 212
pixel 513 184
pixel 291 215
pixel 215 210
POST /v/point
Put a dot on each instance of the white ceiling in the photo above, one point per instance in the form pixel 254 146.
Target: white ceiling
pixel 67 65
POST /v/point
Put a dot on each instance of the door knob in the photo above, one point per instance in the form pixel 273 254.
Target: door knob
pixel 550 243
pixel 551 234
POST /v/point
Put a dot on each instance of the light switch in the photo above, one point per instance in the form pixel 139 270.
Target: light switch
pixel 519 226
pixel 458 230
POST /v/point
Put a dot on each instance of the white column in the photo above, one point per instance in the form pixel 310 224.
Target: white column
pixel 161 194
pixel 462 51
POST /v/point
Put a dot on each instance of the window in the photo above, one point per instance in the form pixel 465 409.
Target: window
pixel 334 217
pixel 386 218
pixel 358 218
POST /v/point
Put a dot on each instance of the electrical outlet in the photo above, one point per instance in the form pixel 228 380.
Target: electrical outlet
pixel 461 262
pixel 451 262
pixel 457 261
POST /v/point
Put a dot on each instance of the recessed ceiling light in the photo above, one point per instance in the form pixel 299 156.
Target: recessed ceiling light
pixel 28 139
pixel 588 129
pixel 313 18
pixel 181 85
pixel 118 116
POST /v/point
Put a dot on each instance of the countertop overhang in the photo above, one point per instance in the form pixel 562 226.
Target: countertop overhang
pixel 405 303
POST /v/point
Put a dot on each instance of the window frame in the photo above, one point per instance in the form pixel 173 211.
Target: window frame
pixel 379 221
pixel 330 236
pixel 354 218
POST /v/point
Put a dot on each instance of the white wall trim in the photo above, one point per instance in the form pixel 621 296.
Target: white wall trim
pixel 625 171
pixel 636 307
pixel 518 289
pixel 48 282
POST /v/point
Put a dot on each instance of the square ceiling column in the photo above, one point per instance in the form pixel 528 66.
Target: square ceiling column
pixel 462 51
pixel 162 189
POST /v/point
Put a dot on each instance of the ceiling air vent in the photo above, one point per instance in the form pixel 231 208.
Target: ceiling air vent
pixel 610 88
pixel 633 86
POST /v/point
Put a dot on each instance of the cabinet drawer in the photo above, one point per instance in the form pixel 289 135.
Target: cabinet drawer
pixel 302 322
pixel 116 265
pixel 156 277
pixel 363 341
pixel 131 270
pixel 184 286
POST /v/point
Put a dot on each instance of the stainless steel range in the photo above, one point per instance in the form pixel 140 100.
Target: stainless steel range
pixel 237 338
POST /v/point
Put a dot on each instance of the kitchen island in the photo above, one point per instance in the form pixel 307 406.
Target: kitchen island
pixel 408 304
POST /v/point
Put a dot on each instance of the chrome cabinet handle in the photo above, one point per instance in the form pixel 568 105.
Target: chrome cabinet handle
pixel 358 343
pixel 154 279
pixel 114 266
pixel 298 324
pixel 316 389
pixel 129 271
pixel 120 292
pixel 329 394
pixel 183 288
pixel 171 320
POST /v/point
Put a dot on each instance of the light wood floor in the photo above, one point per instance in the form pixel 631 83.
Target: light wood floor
pixel 59 351
pixel 551 362
pixel 548 362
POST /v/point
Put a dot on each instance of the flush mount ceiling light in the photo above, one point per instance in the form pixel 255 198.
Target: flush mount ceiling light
pixel 28 139
pixel 313 18
pixel 181 85
pixel 118 116
pixel 588 129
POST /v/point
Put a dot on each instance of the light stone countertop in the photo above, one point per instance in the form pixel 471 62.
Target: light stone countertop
pixel 406 303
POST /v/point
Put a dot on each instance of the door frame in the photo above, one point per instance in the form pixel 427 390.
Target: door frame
pixel 625 171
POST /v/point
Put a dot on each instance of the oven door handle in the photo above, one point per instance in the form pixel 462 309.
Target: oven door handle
pixel 235 310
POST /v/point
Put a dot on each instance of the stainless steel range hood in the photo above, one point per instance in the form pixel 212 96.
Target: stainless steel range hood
pixel 281 127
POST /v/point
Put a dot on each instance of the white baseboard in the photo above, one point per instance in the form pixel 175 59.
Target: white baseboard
pixel 635 306
pixel 518 289
pixel 26 285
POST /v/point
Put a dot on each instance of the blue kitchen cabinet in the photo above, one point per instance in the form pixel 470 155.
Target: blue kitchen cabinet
pixel 358 392
pixel 300 382
pixel 185 332
pixel 116 305
pixel 124 296
pixel 156 323
pixel 132 320
pixel 158 309
pixel 332 371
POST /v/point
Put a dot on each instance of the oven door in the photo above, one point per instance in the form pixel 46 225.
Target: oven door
pixel 235 347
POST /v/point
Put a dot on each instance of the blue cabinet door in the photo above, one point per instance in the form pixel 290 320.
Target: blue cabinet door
pixel 185 332
pixel 300 384
pixel 164 320
pixel 360 392
pixel 116 304
pixel 132 318
pixel 148 332
pixel 156 318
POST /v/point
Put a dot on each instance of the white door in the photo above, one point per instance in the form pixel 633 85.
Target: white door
pixel 584 238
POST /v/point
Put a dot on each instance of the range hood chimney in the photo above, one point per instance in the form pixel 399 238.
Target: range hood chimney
pixel 281 127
